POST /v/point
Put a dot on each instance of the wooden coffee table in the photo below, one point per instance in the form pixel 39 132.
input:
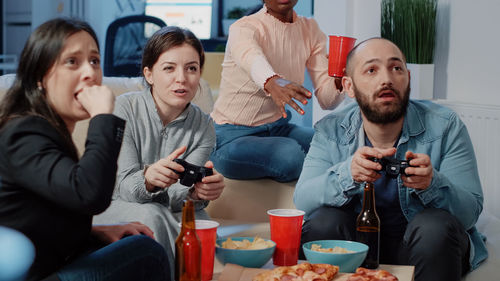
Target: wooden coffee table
pixel 402 272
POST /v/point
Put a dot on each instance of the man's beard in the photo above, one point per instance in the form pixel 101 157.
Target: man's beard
pixel 383 114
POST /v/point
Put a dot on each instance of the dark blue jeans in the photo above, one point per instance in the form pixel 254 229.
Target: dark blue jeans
pixel 136 257
pixel 276 150
pixel 435 241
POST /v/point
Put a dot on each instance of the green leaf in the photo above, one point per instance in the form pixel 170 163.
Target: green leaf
pixel 411 25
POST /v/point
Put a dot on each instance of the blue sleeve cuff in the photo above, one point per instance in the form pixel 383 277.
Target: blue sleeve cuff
pixel 430 193
pixel 347 184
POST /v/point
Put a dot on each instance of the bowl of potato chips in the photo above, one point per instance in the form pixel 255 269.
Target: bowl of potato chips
pixel 244 251
pixel 347 255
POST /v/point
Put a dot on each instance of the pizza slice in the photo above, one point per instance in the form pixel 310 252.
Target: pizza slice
pixel 326 271
pixel 364 274
pixel 301 272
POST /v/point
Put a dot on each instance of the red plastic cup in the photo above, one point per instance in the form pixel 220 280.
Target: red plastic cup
pixel 286 229
pixel 207 232
pixel 340 46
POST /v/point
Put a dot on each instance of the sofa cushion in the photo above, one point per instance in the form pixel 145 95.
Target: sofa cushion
pixel 212 69
pixel 121 85
pixel 249 200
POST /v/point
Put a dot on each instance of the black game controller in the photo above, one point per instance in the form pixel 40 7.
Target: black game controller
pixel 392 166
pixel 192 173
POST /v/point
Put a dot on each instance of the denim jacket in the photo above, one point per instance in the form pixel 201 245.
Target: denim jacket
pixel 428 128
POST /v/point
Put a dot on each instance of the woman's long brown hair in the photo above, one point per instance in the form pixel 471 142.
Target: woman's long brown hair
pixel 38 56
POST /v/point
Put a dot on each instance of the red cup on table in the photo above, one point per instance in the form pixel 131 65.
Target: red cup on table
pixel 207 233
pixel 286 230
pixel 340 46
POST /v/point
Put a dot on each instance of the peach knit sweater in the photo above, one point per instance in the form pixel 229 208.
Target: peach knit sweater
pixel 260 46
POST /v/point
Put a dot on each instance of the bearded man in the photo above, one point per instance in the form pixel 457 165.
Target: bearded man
pixel 428 213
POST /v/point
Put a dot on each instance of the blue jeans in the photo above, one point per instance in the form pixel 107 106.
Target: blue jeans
pixel 136 257
pixel 276 150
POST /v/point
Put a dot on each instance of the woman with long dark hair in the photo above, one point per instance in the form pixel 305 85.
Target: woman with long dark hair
pixel 46 192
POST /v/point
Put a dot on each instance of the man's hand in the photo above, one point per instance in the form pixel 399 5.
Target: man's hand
pixel 283 92
pixel 211 187
pixel 114 232
pixel 363 169
pixel 420 176
pixel 162 173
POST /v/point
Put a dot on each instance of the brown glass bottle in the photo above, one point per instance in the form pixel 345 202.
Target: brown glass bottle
pixel 368 227
pixel 188 247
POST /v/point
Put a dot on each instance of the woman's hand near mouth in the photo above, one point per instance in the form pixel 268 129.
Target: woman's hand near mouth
pixel 96 100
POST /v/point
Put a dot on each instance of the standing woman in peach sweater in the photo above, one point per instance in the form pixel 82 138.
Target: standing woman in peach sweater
pixel 263 69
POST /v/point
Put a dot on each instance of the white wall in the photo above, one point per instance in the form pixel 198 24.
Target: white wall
pixel 470 62
pixel 355 18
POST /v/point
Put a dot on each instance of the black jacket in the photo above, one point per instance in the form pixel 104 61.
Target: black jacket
pixel 46 194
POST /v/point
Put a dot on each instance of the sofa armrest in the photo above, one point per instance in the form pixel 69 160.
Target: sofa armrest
pixel 121 85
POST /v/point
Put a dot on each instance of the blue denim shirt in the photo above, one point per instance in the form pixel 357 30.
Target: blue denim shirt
pixel 428 128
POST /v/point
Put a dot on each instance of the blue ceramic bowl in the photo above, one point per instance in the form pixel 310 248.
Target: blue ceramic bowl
pixel 246 258
pixel 347 262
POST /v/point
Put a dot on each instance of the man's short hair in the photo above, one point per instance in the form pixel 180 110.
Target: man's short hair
pixel 350 56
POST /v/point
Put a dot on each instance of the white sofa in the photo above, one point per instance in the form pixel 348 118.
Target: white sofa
pixel 241 209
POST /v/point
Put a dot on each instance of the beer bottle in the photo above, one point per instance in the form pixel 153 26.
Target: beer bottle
pixel 368 227
pixel 188 247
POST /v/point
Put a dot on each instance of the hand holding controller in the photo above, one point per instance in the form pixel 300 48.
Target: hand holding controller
pixel 192 173
pixel 393 167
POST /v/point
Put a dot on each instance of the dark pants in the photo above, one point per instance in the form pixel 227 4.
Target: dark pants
pixel 435 242
pixel 136 257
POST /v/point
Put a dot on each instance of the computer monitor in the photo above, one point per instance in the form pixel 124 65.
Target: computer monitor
pixel 193 14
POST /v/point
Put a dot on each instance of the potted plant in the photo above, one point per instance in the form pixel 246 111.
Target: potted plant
pixel 411 24
pixel 233 15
